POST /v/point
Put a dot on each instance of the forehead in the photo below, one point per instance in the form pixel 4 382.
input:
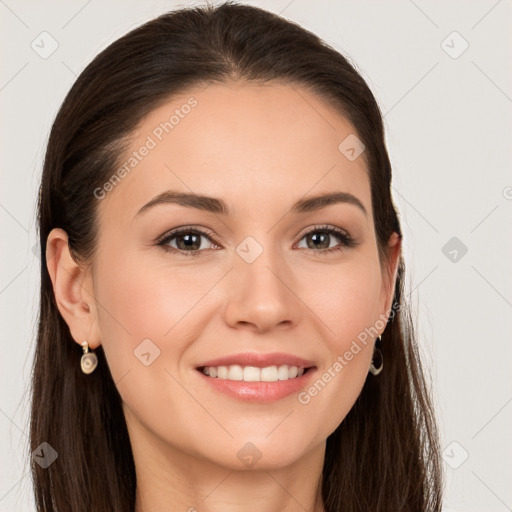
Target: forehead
pixel 243 142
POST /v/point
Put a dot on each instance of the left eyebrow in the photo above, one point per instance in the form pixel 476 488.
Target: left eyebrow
pixel 218 206
pixel 313 203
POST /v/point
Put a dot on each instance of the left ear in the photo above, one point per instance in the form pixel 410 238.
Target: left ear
pixel 390 271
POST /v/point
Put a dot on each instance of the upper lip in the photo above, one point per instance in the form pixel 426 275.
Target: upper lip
pixel 259 360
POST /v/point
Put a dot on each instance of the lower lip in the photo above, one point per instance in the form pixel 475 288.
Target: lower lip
pixel 258 391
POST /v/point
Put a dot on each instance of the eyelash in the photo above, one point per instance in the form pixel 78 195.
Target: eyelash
pixel 346 240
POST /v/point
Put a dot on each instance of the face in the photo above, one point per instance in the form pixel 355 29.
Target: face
pixel 271 281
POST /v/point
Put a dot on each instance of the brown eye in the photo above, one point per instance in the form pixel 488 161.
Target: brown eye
pixel 187 242
pixel 320 239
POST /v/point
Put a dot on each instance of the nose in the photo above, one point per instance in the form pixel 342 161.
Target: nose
pixel 261 294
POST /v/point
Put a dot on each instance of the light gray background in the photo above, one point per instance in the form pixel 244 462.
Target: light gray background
pixel 448 124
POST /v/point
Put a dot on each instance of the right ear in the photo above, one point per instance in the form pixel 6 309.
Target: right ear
pixel 75 302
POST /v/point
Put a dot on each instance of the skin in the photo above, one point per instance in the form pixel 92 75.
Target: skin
pixel 259 148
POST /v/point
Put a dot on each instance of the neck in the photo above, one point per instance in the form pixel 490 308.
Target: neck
pixel 169 480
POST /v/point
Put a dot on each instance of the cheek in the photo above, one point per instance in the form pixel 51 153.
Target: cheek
pixel 346 298
pixel 347 303
pixel 140 301
pixel 134 307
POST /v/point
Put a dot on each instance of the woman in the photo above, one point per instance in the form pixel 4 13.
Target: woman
pixel 222 321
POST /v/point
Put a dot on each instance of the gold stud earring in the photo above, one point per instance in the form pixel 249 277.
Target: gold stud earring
pixel 89 360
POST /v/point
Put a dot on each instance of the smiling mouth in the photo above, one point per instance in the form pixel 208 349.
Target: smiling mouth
pixel 272 373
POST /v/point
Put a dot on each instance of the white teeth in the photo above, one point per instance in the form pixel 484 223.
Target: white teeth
pixel 283 373
pixel 269 374
pixel 235 372
pixel 251 374
pixel 254 374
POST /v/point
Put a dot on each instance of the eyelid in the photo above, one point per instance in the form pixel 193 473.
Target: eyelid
pixel 187 228
pixel 347 240
pixel 322 227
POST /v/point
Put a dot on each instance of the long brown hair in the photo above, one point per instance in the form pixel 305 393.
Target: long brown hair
pixel 385 455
